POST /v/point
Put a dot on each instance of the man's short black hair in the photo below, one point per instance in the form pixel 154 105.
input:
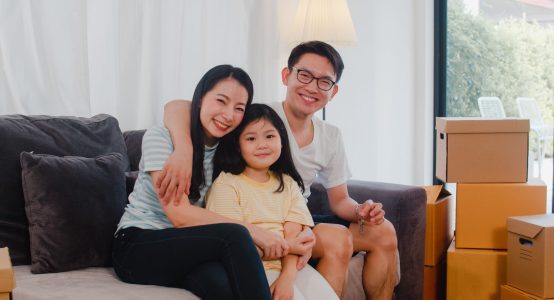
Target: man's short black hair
pixel 319 48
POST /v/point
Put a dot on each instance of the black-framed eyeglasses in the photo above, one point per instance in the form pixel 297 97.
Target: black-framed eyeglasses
pixel 306 77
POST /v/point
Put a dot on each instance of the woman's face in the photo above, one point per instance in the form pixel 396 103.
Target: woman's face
pixel 222 109
pixel 260 144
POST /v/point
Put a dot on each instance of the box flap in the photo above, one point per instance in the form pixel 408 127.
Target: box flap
pixel 7 282
pixel 529 226
pixel 481 125
pixel 436 192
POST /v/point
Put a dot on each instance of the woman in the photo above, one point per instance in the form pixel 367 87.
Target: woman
pixel 184 245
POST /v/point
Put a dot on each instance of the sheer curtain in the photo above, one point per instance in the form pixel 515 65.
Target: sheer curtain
pixel 127 58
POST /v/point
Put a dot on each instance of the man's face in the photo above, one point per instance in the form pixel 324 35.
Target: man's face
pixel 308 98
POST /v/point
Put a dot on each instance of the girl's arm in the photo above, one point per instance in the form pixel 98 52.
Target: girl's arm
pixel 283 287
pixel 176 173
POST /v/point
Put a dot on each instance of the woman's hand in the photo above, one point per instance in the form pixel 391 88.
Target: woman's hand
pixel 282 288
pixel 272 245
pixel 302 246
pixel 175 176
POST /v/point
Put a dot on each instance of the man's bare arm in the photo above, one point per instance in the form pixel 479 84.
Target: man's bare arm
pixel 177 171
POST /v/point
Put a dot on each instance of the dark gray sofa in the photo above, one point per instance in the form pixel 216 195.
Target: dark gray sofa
pixel 404 206
pixel 69 136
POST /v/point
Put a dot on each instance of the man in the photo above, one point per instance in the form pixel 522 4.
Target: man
pixel 311 77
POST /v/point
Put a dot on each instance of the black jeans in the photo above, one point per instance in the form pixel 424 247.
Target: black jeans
pixel 217 261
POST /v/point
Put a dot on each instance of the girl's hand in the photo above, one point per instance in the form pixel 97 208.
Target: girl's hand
pixel 175 176
pixel 282 288
pixel 272 245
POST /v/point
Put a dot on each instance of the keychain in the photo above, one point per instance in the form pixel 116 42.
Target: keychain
pixel 361 220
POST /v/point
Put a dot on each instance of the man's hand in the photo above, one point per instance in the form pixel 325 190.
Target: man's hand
pixel 272 245
pixel 175 177
pixel 302 246
pixel 282 288
pixel 372 212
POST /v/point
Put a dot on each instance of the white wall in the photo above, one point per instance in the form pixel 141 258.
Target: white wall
pixel 127 58
pixel 384 105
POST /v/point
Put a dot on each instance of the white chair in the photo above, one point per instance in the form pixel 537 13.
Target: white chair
pixel 491 107
pixel 529 109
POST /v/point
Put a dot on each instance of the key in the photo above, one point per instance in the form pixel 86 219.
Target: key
pixel 361 223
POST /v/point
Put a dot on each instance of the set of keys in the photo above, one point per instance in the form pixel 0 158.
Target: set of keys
pixel 361 221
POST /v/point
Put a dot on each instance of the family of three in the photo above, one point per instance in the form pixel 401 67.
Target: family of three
pixel 219 205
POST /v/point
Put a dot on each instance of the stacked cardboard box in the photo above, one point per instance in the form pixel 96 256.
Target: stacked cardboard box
pixel 530 257
pixel 7 281
pixel 487 159
pixel 439 232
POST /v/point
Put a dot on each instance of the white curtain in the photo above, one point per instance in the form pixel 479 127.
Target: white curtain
pixel 127 58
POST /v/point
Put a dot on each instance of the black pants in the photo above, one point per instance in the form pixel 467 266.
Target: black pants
pixel 217 261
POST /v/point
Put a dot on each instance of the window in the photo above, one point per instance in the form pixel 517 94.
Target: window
pixel 502 49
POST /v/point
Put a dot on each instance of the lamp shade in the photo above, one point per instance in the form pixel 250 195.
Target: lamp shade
pixel 324 20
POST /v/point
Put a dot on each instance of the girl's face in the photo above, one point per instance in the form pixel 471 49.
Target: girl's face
pixel 260 144
pixel 222 109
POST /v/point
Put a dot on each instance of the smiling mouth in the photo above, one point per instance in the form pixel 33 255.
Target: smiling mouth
pixel 308 99
pixel 221 126
pixel 262 154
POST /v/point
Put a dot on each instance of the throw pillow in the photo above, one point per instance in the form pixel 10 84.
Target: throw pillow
pixel 73 205
pixel 61 136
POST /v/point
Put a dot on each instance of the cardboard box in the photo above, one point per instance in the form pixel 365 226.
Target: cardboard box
pixel 474 273
pixel 439 230
pixel 531 254
pixel 511 293
pixel 482 210
pixel 476 150
pixel 434 281
pixel 7 281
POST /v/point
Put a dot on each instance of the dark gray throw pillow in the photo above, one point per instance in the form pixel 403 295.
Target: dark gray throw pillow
pixel 73 205
pixel 61 136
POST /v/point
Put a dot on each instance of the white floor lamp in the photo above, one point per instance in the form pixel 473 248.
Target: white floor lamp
pixel 324 20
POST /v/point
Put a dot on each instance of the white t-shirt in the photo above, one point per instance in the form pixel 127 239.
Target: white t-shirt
pixel 324 157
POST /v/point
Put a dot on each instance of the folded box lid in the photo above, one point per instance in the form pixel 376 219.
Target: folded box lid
pixel 481 125
pixel 7 282
pixel 530 226
pixel 435 193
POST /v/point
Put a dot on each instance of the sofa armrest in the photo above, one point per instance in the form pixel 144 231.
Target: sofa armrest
pixel 405 208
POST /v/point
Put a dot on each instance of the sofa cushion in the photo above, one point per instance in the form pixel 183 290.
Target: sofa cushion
pixel 73 205
pixel 88 284
pixel 133 139
pixel 62 136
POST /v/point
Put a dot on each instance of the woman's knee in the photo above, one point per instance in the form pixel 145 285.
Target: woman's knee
pixel 235 232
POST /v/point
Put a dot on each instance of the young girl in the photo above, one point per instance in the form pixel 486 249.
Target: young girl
pixel 260 185
pixel 184 245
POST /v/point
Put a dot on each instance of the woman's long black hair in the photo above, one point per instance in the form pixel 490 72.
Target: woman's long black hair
pixel 206 83
pixel 229 159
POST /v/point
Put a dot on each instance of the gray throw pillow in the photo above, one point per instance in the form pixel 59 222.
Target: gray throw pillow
pixel 73 205
pixel 61 136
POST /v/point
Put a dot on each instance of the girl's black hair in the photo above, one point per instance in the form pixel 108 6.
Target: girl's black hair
pixel 229 159
pixel 206 83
